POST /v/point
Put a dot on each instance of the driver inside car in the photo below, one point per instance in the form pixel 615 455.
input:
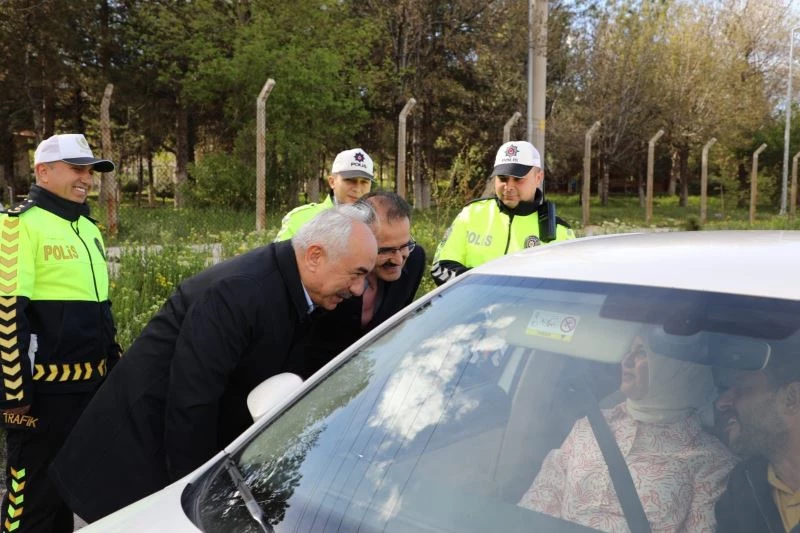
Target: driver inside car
pixel 760 414
pixel 679 470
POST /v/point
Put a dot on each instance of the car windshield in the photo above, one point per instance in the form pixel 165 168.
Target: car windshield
pixel 480 410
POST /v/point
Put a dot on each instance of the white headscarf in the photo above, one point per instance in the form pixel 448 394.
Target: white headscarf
pixel 677 389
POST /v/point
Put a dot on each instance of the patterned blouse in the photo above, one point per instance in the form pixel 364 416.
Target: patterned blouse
pixel 679 471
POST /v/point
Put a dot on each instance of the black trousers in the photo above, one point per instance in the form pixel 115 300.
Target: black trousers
pixel 31 503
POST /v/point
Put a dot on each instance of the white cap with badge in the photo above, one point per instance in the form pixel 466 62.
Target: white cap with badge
pixel 70 148
pixel 353 163
pixel 516 159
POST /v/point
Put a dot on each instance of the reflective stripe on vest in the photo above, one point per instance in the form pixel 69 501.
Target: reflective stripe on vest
pixel 69 371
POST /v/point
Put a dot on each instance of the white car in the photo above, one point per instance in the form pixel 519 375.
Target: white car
pixel 478 407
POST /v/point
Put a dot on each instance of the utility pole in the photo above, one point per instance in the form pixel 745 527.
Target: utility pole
pixel 793 190
pixel 531 57
pixel 787 128
pixel 540 77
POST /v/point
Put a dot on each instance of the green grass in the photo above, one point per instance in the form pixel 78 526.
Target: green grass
pixel 146 279
pixel 625 212
pixel 149 276
pixel 165 224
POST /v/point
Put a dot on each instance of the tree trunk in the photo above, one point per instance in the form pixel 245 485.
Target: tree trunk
pixel 151 181
pixel 683 169
pixel 598 171
pixel 313 182
pixel 78 110
pixel 744 185
pixel 292 190
pixel 6 158
pixel 605 181
pixel 674 172
pixel 49 115
pixel 36 109
pixel 191 139
pixel 181 153
pixel 428 170
pixel 140 183
pixel 416 160
pixel 642 184
pixel 379 169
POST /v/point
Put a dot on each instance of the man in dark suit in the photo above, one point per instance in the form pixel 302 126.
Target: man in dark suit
pixel 391 286
pixel 179 393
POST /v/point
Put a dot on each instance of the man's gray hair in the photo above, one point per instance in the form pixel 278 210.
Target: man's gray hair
pixel 331 228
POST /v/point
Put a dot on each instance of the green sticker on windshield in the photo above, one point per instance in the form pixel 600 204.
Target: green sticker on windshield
pixel 552 325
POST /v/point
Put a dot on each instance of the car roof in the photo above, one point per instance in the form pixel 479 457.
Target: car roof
pixel 756 263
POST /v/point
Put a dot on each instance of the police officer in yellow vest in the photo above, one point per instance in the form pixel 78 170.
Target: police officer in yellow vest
pixel 351 178
pixel 57 339
pixel 517 217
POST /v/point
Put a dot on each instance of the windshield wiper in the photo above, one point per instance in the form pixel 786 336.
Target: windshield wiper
pixel 247 495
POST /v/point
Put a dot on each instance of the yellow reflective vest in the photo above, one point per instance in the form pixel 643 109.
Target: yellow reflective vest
pixel 297 217
pixel 484 230
pixel 57 331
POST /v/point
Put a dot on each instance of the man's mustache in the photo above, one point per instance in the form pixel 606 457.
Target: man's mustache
pixel 390 264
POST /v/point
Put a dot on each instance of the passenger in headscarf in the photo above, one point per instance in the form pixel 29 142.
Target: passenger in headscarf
pixel 679 469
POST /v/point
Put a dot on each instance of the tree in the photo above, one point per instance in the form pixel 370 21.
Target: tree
pixel 617 85
pixel 49 71
pixel 704 93
pixel 316 107
pixel 171 51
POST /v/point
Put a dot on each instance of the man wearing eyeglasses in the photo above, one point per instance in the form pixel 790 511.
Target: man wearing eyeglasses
pixel 515 218
pixel 390 286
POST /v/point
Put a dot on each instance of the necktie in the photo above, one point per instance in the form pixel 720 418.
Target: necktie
pixel 368 305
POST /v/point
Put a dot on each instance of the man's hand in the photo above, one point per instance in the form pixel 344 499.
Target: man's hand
pixel 21 410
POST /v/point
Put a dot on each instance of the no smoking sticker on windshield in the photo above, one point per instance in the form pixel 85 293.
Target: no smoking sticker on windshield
pixel 552 325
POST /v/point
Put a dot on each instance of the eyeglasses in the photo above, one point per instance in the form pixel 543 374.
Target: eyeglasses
pixel 390 250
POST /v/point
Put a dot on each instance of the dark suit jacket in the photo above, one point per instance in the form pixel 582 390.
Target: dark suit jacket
pixel 747 505
pixel 179 393
pixel 333 331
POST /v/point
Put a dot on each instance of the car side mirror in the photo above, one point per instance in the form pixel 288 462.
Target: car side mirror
pixel 271 392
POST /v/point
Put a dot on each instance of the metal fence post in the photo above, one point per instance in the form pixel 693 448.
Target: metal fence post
pixel 261 155
pixel 109 179
pixel 704 181
pixel 400 179
pixel 586 191
pixel 754 183
pixel 651 148
pixel 510 124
